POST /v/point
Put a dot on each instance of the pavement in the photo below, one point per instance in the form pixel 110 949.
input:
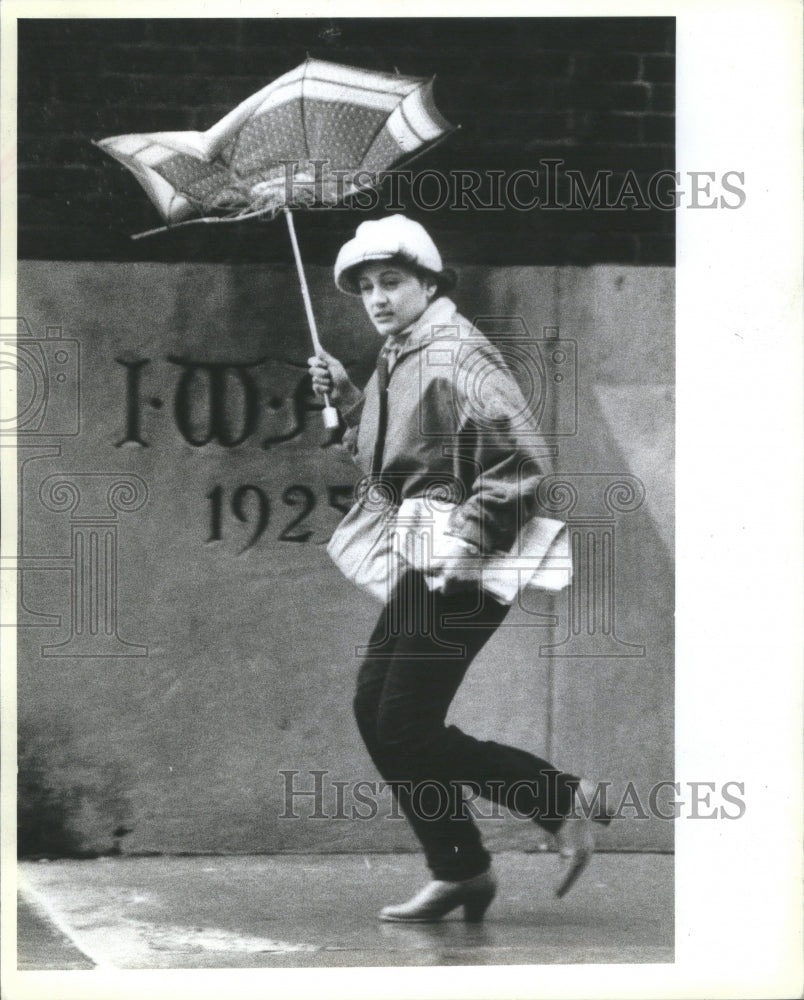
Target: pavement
pixel 306 911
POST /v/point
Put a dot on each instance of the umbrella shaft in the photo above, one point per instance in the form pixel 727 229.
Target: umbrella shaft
pixel 331 419
pixel 308 305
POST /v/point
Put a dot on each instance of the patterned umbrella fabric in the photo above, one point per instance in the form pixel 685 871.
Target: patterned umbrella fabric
pixel 317 134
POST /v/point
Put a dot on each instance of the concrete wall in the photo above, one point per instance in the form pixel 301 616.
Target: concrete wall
pixel 212 665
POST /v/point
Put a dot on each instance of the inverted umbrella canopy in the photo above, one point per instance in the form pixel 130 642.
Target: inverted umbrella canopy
pixel 319 133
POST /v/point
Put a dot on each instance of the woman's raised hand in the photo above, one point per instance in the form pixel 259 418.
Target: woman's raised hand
pixel 329 377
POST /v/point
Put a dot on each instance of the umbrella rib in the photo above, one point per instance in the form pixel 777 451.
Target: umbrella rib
pixel 344 86
pixel 207 219
pixel 410 124
pixel 424 148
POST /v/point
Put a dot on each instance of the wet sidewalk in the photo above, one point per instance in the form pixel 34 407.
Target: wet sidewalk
pixel 287 911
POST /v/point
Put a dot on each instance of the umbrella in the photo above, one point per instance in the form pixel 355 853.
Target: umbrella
pixel 316 135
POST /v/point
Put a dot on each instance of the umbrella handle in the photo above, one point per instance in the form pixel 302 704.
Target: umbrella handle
pixel 330 413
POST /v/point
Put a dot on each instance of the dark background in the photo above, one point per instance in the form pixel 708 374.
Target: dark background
pixel 597 93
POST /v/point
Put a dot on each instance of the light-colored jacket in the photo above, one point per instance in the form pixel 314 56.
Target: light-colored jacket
pixel 457 424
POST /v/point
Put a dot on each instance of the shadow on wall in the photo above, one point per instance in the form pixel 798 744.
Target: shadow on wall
pixel 66 808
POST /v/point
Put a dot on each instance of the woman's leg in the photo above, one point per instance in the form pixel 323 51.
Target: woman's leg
pixel 388 694
pixel 405 688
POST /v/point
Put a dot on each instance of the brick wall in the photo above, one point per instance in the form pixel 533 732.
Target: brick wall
pixel 595 93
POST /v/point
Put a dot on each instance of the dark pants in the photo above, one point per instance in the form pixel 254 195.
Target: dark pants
pixel 417 656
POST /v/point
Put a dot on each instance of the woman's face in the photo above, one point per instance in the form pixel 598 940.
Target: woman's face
pixel 393 295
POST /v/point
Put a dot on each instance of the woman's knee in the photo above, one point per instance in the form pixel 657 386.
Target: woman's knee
pixel 410 736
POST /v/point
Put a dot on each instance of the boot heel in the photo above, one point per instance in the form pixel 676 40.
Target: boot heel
pixel 441 897
pixel 475 909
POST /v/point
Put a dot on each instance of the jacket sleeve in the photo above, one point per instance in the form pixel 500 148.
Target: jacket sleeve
pixel 501 450
pixel 351 415
pixel 353 411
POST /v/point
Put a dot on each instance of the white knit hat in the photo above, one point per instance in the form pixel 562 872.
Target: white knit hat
pixel 382 239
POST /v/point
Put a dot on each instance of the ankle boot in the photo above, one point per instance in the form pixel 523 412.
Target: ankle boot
pixel 576 839
pixel 439 897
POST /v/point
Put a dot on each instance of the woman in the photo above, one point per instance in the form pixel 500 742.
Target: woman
pixel 441 414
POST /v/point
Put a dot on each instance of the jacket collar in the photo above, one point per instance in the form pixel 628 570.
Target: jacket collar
pixel 439 314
